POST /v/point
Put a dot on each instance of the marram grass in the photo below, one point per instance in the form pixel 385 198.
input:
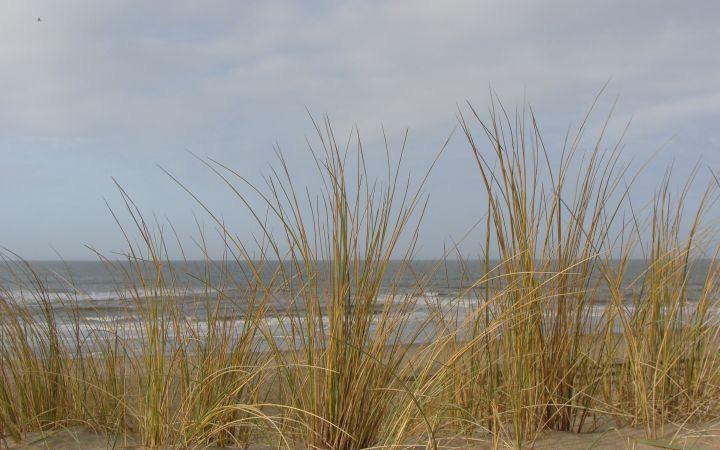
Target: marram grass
pixel 326 352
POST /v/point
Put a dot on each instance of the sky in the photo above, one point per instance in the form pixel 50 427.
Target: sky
pixel 95 90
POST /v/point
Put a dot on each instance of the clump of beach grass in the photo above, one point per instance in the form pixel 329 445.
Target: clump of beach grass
pixel 549 220
pixel 310 334
pixel 669 364
pixel 551 338
pixel 342 345
pixel 160 379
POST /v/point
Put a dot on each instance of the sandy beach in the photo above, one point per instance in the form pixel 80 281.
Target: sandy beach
pixel 697 437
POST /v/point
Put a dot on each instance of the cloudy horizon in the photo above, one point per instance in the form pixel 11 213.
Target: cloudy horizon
pixel 104 90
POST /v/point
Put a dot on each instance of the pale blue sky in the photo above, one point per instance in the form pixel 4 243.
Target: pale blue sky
pixel 97 89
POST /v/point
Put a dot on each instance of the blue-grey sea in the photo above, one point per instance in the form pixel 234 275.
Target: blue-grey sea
pixel 102 295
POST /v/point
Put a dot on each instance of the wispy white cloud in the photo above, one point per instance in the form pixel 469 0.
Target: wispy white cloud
pixel 103 68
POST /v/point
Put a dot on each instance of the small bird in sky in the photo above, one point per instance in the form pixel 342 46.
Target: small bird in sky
pixel 38 19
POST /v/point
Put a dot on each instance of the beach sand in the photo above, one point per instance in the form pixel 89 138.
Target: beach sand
pixel 703 436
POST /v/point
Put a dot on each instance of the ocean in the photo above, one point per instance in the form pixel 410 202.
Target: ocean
pixel 87 297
